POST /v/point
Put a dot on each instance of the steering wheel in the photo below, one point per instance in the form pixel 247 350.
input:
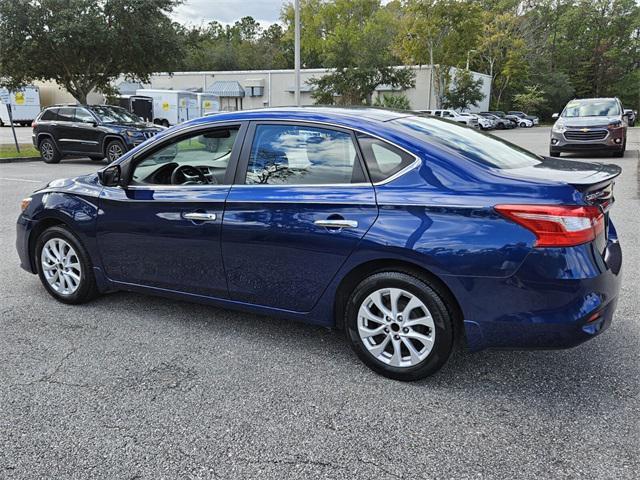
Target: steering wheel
pixel 189 175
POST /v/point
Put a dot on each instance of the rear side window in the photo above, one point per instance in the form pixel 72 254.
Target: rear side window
pixel 383 160
pixel 49 115
pixel 67 115
pixel 302 155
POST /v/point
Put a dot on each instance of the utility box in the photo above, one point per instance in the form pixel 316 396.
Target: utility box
pixel 25 105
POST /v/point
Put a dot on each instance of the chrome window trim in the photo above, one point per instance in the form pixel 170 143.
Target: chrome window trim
pixel 195 128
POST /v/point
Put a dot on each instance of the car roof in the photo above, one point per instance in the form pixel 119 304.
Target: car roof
pixel 347 116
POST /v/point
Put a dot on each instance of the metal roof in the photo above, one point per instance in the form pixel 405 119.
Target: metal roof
pixel 128 88
pixel 226 88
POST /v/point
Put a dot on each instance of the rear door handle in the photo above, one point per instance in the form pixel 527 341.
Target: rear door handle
pixel 336 223
pixel 200 216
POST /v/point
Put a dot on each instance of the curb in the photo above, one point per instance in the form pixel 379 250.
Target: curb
pixel 19 159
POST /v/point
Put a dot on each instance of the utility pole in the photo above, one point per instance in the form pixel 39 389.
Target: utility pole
pixel 297 52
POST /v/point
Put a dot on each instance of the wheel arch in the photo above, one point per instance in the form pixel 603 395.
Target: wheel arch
pixel 42 225
pixel 363 270
pixel 42 135
pixel 110 137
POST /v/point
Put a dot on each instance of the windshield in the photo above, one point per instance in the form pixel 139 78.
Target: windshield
pixel 108 114
pixel 469 143
pixel 591 108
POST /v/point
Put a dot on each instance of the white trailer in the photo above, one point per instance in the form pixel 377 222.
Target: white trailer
pixel 171 107
pixel 25 106
pixel 207 103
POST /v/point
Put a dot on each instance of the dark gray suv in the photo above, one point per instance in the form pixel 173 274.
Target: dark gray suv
pixel 591 124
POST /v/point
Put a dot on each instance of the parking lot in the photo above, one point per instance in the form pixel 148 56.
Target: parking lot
pixel 133 386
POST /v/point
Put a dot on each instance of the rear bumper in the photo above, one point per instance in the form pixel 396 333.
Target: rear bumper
pixel 558 298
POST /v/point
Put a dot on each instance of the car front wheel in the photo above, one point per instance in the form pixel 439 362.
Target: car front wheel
pixel 64 266
pixel 115 149
pixel 399 325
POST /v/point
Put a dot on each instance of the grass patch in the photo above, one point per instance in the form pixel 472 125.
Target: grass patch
pixel 26 150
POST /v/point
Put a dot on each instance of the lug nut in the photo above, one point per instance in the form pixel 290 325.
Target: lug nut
pixel 399 318
pixel 397 337
pixel 405 330
pixel 386 330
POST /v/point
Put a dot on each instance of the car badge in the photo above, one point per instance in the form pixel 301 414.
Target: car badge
pixel 584 129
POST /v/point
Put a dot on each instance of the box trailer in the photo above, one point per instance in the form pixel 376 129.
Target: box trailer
pixel 207 103
pixel 25 105
pixel 171 107
pixel 139 105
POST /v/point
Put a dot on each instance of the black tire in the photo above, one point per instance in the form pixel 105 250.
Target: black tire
pixel 553 153
pixel 87 289
pixel 112 149
pixel 49 151
pixel 620 153
pixel 96 159
pixel 443 321
pixel 164 123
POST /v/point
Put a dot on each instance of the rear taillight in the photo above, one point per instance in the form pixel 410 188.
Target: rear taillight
pixel 557 225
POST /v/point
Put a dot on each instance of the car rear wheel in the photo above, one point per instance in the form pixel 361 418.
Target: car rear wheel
pixel 64 267
pixel 115 149
pixel 48 151
pixel 399 326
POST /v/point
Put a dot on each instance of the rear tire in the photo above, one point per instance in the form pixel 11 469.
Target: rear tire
pixel 48 151
pixel 64 266
pixel 411 344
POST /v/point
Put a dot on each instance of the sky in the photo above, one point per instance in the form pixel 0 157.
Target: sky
pixel 197 12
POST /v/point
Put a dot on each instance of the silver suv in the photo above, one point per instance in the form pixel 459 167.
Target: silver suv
pixel 591 124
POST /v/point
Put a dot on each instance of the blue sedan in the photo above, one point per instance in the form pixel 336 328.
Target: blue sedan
pixel 411 233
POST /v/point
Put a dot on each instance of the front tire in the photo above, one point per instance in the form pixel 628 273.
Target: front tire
pixel 48 151
pixel 114 150
pixel 399 326
pixel 64 266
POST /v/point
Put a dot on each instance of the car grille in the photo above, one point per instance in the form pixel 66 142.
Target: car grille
pixel 149 134
pixel 596 134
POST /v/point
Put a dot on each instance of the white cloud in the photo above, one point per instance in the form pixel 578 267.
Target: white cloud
pixel 198 12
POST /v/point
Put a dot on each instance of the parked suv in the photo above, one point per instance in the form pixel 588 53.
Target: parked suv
pixel 501 123
pixel 521 115
pixel 465 118
pixel 94 131
pixel 590 124
pixel 631 116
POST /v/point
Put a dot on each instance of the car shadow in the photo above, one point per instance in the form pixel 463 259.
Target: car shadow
pixel 590 371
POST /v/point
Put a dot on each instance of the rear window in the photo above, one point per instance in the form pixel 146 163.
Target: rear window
pixel 473 145
pixel 51 114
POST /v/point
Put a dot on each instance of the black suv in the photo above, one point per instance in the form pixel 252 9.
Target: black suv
pixel 94 131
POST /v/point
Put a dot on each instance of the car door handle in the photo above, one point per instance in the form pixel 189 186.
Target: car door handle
pixel 336 223
pixel 200 216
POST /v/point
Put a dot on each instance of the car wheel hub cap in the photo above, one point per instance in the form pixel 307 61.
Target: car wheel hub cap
pixel 396 327
pixel 61 266
pixel 47 151
pixel 115 152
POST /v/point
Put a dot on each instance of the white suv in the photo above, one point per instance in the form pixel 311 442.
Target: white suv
pixel 465 118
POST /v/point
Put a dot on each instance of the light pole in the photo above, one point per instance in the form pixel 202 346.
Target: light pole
pixel 297 52
pixel 469 53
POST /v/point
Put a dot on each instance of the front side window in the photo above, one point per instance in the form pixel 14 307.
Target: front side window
pixel 297 155
pixel 200 159
pixel 84 116
pixel 383 160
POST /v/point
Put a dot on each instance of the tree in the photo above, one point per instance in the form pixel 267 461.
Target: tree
pixel 398 102
pixel 85 45
pixel 531 100
pixel 463 91
pixel 354 38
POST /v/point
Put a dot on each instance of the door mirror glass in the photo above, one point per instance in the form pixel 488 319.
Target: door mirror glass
pixel 110 176
pixel 555 115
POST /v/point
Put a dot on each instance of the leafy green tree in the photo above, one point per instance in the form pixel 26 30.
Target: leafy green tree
pixel 531 100
pixel 463 91
pixel 388 100
pixel 85 45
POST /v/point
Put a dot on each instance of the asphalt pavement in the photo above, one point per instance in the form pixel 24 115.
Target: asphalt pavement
pixel 133 386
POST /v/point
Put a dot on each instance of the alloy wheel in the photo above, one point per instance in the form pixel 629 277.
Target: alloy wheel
pixel 46 149
pixel 114 151
pixel 61 266
pixel 396 327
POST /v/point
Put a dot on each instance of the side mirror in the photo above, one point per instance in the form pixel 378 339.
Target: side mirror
pixel 110 176
pixel 555 115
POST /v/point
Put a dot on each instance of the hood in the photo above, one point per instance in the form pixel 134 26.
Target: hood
pixel 136 125
pixel 587 121
pixel 578 174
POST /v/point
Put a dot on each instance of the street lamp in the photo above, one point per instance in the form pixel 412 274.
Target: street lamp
pixel 296 49
pixel 469 53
